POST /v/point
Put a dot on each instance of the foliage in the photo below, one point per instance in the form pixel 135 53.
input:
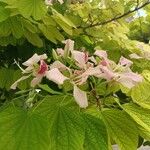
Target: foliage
pixel 46 116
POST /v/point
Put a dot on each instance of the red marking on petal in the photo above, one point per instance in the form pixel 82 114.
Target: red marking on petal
pixel 86 57
pixel 43 67
pixel 104 63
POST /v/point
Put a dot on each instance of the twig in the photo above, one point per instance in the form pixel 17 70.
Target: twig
pixel 118 17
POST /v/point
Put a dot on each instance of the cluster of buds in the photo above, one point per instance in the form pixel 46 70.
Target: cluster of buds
pixel 80 66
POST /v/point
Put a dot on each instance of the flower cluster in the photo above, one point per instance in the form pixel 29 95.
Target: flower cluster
pixel 81 67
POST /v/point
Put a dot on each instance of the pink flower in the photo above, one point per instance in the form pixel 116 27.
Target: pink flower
pixel 33 69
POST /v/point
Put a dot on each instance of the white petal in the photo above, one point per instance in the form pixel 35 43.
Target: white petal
pixel 36 80
pixel 48 2
pixel 101 53
pixel 61 1
pixel 93 60
pixel 56 76
pixel 14 85
pixel 28 69
pixel 34 59
pixel 80 97
pixel 134 56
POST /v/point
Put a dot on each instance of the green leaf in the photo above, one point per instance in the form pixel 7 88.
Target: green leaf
pixel 4 14
pixel 16 27
pixel 143 132
pixel 35 8
pixel 121 128
pixel 140 115
pixel 29 26
pixel 95 133
pixel 66 126
pixel 47 33
pixel 22 130
pixel 146 74
pixel 6 76
pixel 51 33
pixel 33 38
pixel 63 22
pixel 57 16
pixel 141 95
pixel 11 25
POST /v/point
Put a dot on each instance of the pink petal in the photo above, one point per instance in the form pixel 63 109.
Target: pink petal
pixel 130 79
pixel 106 73
pixel 56 76
pixel 14 85
pixel 36 80
pixel 69 45
pixel 92 71
pixel 60 51
pixel 58 64
pixel 80 97
pixel 80 58
pixel 101 54
pixel 125 62
pixel 34 59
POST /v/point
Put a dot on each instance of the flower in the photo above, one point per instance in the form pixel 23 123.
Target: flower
pixel 33 68
pixel 79 72
pixel 109 70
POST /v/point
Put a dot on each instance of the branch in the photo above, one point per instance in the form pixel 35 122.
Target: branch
pixel 119 17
